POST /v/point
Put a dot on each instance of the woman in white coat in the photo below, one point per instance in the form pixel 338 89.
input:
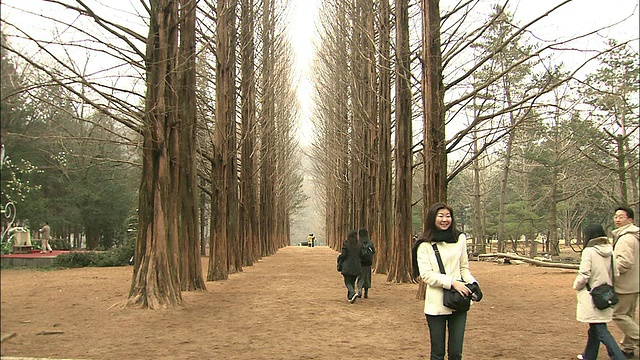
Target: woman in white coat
pixel 440 229
pixel 595 269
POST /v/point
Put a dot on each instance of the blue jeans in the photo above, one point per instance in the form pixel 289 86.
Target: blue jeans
pixel 438 330
pixel 598 333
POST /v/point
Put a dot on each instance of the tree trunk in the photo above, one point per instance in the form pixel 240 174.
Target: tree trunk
pixel 503 190
pixel 227 75
pixel 224 191
pixel 385 222
pixel 155 281
pixel 267 145
pixel 478 230
pixel 401 264
pixel 188 235
pixel 532 261
pixel 553 212
pixel 434 186
pixel 248 184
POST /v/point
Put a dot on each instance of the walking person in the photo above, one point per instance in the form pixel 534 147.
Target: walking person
pixel 46 234
pixel 626 244
pixel 595 269
pixel 364 281
pixel 349 257
pixel 452 246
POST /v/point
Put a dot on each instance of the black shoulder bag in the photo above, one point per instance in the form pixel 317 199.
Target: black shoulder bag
pixel 452 298
pixel 604 296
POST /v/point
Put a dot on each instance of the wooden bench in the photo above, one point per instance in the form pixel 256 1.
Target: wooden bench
pixel 22 249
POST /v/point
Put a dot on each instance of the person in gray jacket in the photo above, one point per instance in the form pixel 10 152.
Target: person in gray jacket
pixel 595 269
pixel 349 258
pixel 626 244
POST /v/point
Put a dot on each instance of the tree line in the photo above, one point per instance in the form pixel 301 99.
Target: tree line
pixel 202 109
pixel 194 136
pixel 533 145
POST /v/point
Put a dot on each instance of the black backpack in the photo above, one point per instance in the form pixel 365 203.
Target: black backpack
pixel 367 255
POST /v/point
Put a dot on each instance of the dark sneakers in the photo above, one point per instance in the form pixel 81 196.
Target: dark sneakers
pixel 353 298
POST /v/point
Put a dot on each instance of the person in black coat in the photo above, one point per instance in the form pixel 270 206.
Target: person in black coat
pixel 349 258
pixel 364 281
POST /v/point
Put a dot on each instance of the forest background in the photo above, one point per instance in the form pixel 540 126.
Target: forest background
pixel 174 124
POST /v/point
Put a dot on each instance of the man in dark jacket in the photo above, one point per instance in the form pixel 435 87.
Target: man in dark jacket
pixel 364 281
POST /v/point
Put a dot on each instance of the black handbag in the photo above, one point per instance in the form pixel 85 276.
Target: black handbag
pixel 604 296
pixel 452 298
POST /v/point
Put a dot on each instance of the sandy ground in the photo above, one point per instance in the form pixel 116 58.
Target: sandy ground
pixel 291 305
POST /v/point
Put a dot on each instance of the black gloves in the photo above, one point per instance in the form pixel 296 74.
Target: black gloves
pixel 476 293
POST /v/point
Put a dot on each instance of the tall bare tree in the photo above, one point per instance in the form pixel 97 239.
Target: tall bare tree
pixel 434 187
pixel 267 132
pixel 224 165
pixel 332 124
pixel 383 166
pixel 156 281
pixel 401 243
pixel 188 226
pixel 248 180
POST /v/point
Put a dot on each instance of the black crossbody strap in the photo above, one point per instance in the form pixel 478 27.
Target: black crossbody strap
pixel 438 258
pixel 613 273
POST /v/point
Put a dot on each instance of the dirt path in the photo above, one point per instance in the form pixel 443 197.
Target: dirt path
pixel 277 309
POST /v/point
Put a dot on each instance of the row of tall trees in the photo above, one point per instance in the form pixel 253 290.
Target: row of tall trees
pixel 204 102
pixel 205 106
pixel 386 93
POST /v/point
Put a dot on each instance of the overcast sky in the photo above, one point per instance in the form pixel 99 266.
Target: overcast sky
pixel 573 18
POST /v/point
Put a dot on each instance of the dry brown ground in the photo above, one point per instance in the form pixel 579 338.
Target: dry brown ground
pixel 291 305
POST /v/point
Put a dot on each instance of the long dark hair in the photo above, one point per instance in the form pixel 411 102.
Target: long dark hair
pixel 352 239
pixel 430 225
pixel 593 231
pixel 429 230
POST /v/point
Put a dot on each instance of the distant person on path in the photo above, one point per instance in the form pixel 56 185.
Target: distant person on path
pixel 364 281
pixel 45 233
pixel 351 268
pixel 595 269
pixel 310 240
pixel 626 245
pixel 452 246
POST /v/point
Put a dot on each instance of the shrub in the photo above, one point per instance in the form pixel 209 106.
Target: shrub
pixel 60 244
pixel 74 259
pixel 118 256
